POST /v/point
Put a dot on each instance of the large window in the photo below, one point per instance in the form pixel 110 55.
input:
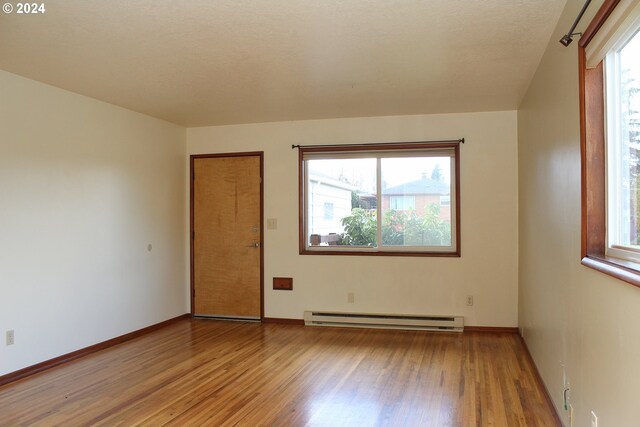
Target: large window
pixel 610 132
pixel 623 148
pixel 385 200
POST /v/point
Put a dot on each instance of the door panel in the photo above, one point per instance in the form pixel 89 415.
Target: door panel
pixel 227 236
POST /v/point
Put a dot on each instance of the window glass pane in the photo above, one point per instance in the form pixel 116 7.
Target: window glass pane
pixel 628 207
pixel 341 202
pixel 413 191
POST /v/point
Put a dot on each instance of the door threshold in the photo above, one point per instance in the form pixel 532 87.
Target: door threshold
pixel 229 318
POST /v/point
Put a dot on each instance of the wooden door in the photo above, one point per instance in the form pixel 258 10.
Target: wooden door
pixel 227 235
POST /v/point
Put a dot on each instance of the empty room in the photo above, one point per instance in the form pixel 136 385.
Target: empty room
pixel 320 213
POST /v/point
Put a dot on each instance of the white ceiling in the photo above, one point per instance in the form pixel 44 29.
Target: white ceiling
pixel 212 62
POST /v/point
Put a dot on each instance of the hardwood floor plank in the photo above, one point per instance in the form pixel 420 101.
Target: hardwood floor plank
pixel 206 372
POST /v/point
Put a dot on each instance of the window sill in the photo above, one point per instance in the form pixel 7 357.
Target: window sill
pixel 382 253
pixel 626 271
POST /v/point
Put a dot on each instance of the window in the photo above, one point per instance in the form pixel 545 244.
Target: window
pixel 623 149
pixel 610 140
pixel 386 199
pixel 328 211
pixel 445 200
pixel 402 203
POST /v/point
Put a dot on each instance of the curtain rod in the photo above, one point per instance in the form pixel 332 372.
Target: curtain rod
pixel 374 144
pixel 568 38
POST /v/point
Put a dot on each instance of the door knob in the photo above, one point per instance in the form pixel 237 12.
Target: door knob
pixel 254 245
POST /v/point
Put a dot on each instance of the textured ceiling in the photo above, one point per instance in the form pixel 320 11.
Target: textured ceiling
pixel 212 62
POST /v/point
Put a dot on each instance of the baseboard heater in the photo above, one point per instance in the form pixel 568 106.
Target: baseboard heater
pixel 384 321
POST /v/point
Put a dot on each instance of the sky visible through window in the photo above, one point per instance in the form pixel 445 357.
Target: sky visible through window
pixel 630 65
pixel 395 171
pixel 631 57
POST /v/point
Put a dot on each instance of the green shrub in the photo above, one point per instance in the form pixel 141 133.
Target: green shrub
pixel 399 228
pixel 359 228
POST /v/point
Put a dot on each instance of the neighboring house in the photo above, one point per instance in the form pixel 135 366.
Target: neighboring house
pixel 329 202
pixel 417 195
pixel 367 201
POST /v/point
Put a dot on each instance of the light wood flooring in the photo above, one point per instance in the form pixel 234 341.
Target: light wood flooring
pixel 206 372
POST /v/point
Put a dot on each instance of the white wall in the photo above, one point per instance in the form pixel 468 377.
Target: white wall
pixel 487 268
pixel 84 188
pixel 579 324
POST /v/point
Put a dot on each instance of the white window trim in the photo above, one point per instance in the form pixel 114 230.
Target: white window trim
pixel 622 20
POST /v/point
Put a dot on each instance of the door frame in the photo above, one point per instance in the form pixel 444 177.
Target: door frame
pixel 192 158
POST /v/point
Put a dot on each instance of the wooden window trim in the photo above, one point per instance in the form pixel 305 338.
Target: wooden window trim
pixel 592 151
pixel 378 147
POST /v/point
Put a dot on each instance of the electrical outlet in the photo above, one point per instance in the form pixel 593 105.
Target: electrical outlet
pixel 272 224
pixel 10 337
pixel 351 297
pixel 469 300
pixel 594 419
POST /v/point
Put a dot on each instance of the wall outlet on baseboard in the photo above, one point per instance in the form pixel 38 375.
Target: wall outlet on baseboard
pixel 10 337
pixel 469 300
pixel 351 297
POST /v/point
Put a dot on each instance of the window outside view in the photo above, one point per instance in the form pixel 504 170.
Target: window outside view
pixel 414 202
pixel 625 162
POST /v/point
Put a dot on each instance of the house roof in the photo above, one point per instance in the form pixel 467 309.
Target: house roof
pixel 419 186
pixel 327 180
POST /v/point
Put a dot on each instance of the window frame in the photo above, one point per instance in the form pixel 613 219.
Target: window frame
pixel 389 146
pixel 593 151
